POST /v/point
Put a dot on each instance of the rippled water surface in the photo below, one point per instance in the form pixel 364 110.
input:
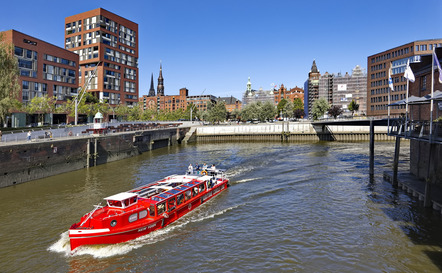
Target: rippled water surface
pixel 290 207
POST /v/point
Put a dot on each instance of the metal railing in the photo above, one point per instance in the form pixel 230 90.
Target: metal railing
pixel 416 129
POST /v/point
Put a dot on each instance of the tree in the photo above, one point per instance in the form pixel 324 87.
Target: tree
pixel 281 105
pixel 298 108
pixel 216 112
pixel 288 109
pixel 335 111
pixel 267 111
pixel 353 106
pixel 9 73
pixel 41 106
pixel 320 106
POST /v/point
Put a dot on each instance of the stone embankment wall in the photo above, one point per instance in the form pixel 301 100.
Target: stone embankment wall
pixel 24 162
pixel 294 131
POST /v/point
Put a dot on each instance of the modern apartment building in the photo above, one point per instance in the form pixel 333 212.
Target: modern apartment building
pixel 45 70
pixel 377 80
pixel 105 39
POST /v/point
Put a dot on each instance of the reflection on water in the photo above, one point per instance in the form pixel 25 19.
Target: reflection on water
pixel 294 207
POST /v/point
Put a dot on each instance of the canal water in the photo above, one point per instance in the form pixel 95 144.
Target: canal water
pixel 290 208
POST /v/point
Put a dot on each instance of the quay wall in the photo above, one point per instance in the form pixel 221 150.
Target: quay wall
pixel 28 161
pixel 293 131
pixel 424 164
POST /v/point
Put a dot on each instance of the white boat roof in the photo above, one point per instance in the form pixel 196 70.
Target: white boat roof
pixel 179 179
pixel 121 196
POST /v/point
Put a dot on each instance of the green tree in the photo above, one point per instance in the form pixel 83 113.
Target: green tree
pixel 298 104
pixel 41 106
pixel 216 112
pixel 251 111
pixel 9 73
pixel 320 106
pixel 288 109
pixel 353 106
pixel 267 111
pixel 281 105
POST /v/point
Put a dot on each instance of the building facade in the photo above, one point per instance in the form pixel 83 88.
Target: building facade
pixel 232 103
pixel 288 94
pixel 105 39
pixel 351 87
pixel 313 90
pixel 377 80
pixel 326 87
pixel 161 103
pixel 45 70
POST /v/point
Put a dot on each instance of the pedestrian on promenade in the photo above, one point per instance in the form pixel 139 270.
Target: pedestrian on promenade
pixel 29 135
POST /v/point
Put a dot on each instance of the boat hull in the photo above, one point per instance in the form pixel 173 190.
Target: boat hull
pixel 79 237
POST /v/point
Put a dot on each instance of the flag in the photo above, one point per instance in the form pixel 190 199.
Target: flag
pixel 436 61
pixel 408 74
pixel 390 80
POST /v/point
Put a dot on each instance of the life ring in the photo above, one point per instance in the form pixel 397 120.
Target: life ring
pixel 204 172
pixel 166 215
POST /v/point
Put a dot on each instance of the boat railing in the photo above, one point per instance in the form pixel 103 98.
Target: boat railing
pixel 99 206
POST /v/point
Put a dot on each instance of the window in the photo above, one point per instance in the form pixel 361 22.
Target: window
pixel 142 214
pixel 423 83
pixel 152 210
pixel 161 208
pixel 171 204
pixel 133 217
pixel 180 199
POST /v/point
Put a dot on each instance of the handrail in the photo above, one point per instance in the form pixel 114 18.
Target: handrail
pixel 91 213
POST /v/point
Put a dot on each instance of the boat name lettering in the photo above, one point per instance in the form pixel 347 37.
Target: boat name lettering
pixel 152 225
pixel 207 196
pixel 142 229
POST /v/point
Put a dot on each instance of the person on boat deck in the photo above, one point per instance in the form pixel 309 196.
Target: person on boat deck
pixel 205 166
pixel 213 167
pixel 190 169
pixel 197 168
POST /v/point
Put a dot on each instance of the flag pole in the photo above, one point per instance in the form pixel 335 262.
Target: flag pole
pixel 432 89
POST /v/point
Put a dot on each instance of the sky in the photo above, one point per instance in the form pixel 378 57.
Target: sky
pixel 211 47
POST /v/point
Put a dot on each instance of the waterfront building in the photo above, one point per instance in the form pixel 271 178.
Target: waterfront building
pixel 110 41
pixel 313 90
pixel 288 94
pixel 231 102
pixel 45 70
pixel 350 87
pixel 326 87
pixel 422 87
pixel 260 95
pixel 377 81
pixel 161 102
pixel 201 101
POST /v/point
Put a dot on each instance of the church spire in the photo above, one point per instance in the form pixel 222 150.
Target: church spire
pixel 152 89
pixel 314 68
pixel 160 87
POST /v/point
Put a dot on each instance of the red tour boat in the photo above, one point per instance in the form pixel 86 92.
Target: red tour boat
pixel 131 214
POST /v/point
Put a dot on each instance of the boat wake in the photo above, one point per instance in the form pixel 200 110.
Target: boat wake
pixel 103 251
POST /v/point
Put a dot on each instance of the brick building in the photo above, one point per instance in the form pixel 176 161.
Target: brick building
pixel 377 79
pixel 161 102
pixel 104 38
pixel 45 70
pixel 290 95
pixel 232 103
pixel 422 87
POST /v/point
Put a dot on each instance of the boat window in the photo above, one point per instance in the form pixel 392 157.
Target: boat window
pixel 142 214
pixel 114 203
pixel 161 208
pixel 126 202
pixel 133 217
pixel 152 210
pixel 202 187
pixel 180 199
pixel 171 204
pixel 187 195
pixel 194 191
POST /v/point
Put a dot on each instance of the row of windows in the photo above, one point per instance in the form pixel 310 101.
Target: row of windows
pixel 60 74
pixel 54 59
pixel 116 56
pixel 385 107
pixel 393 54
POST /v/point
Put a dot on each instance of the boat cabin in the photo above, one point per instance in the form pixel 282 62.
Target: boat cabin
pixel 122 200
